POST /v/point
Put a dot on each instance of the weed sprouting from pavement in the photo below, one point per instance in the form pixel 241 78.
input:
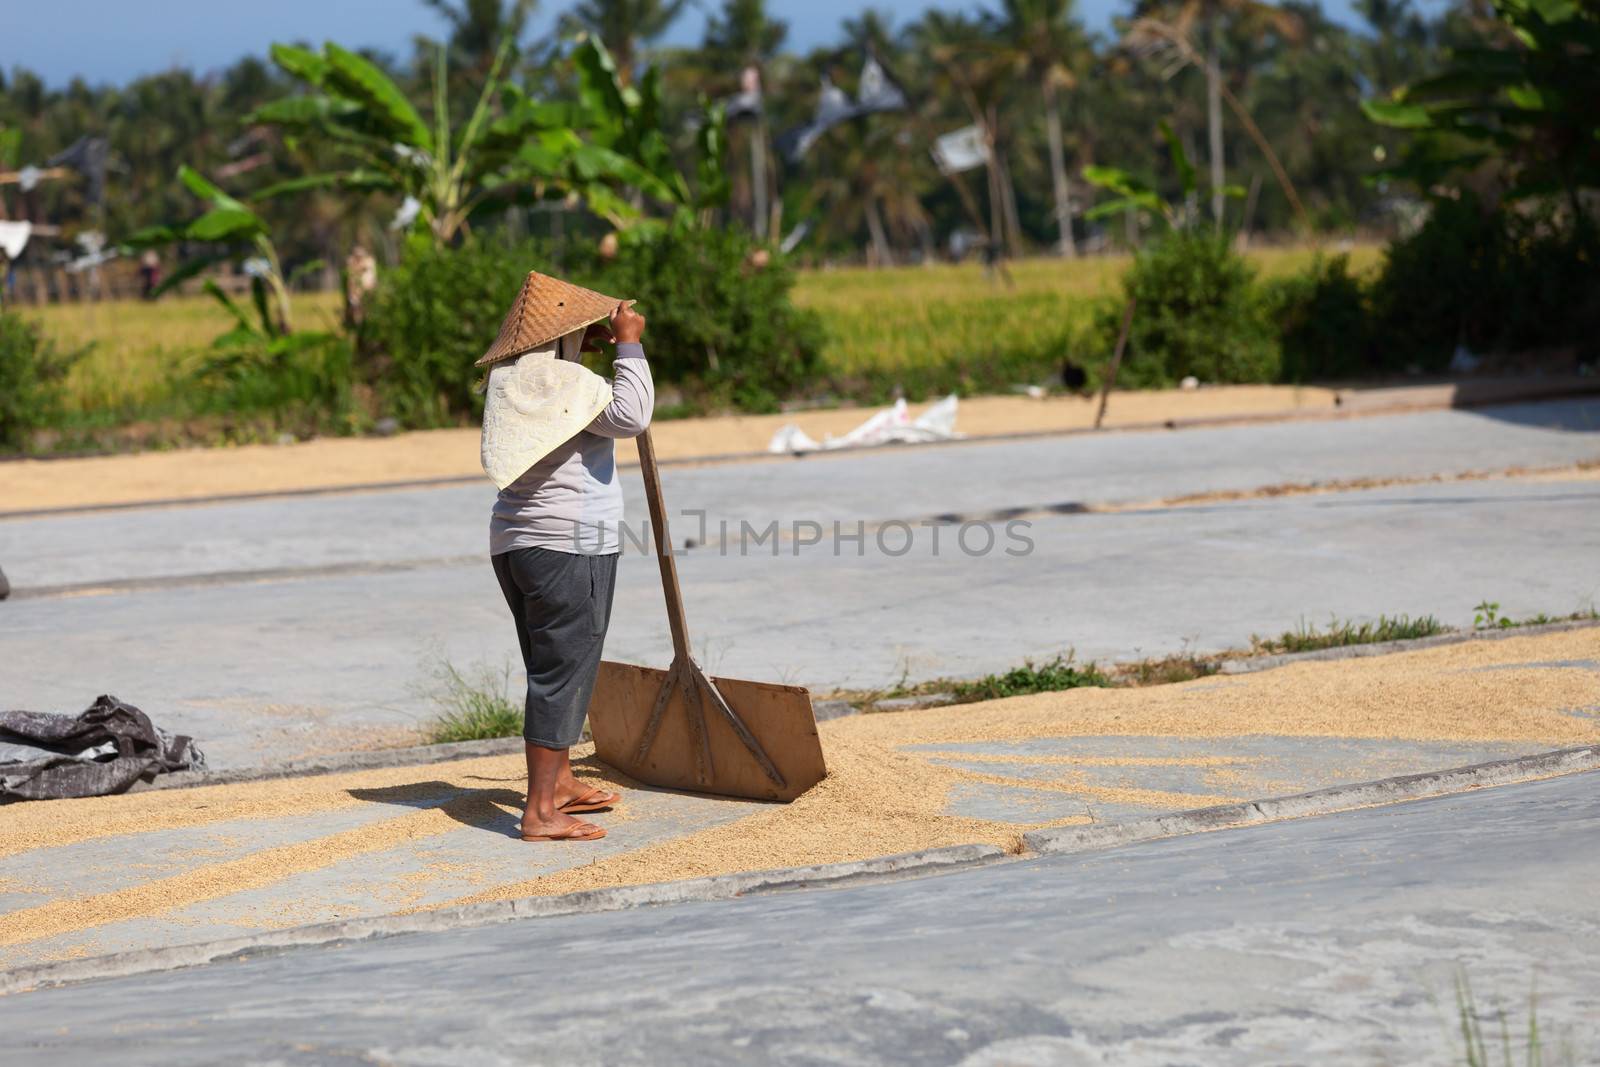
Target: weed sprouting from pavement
pixel 1062 673
pixel 1341 632
pixel 475 705
pixel 1487 616
pixel 1056 674
pixel 1476 1048
pixel 1166 670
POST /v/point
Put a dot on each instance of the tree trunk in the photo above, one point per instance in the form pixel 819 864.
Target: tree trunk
pixel 880 240
pixel 1249 212
pixel 1007 228
pixel 1008 190
pixel 1214 114
pixel 997 224
pixel 758 178
pixel 1058 170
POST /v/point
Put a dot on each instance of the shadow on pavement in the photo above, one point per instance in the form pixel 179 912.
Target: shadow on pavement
pixel 496 810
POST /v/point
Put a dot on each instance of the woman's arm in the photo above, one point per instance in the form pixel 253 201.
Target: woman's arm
pixel 633 391
pixel 633 395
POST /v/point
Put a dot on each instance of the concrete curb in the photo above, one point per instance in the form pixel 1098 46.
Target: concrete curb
pixel 1320 802
pixel 1251 664
pixel 717 887
pixel 1350 403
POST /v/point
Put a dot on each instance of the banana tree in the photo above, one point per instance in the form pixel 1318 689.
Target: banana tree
pixel 628 145
pixel 229 229
pixel 1529 103
pixel 510 146
pixel 1132 194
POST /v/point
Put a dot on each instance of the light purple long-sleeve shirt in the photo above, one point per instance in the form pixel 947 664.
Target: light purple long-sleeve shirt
pixel 571 500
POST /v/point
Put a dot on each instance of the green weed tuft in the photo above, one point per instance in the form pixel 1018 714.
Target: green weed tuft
pixel 1057 674
pixel 1341 632
pixel 475 706
pixel 1487 616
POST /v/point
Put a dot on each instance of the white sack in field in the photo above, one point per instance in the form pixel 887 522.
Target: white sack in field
pixel 890 426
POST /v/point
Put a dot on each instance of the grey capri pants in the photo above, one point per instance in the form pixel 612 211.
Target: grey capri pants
pixel 561 602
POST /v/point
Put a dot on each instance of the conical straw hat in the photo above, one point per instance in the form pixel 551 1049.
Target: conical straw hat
pixel 546 308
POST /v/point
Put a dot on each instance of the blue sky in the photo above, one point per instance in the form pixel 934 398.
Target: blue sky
pixel 115 40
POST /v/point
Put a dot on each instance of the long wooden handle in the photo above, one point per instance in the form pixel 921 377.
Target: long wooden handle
pixel 664 556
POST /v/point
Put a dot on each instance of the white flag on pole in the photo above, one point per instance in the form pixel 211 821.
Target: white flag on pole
pixel 961 150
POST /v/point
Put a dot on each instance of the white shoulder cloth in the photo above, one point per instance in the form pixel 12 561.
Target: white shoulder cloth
pixel 534 403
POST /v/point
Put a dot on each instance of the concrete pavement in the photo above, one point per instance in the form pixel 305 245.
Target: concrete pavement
pixel 412 527
pixel 266 671
pixel 236 642
pixel 1333 939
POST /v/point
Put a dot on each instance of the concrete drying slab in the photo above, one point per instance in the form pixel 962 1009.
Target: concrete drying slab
pixel 189 866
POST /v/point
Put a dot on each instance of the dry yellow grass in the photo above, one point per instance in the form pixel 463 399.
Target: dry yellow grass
pixel 877 320
pixel 138 347
pixel 899 319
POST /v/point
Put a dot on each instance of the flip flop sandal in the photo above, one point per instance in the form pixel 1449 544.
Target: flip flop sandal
pixel 594 800
pixel 580 831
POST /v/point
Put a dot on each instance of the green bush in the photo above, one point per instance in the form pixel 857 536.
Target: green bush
pixel 1322 320
pixel 434 315
pixel 720 327
pixel 32 374
pixel 1489 279
pixel 301 382
pixel 1198 313
pixel 1441 286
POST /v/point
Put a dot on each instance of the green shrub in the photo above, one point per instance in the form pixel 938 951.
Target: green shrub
pixel 1489 279
pixel 1441 286
pixel 1322 320
pixel 1198 313
pixel 433 316
pixel 32 373
pixel 721 328
pixel 301 382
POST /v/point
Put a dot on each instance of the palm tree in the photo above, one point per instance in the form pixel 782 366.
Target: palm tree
pixel 478 26
pixel 965 58
pixel 1044 39
pixel 624 26
pixel 866 179
pixel 744 37
pixel 1170 23
pixel 743 32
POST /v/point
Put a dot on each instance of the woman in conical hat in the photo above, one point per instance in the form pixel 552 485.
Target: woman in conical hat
pixel 549 426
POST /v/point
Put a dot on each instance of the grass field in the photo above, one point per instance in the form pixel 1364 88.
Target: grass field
pixel 905 327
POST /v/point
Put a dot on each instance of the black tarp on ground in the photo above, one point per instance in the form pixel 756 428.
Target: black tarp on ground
pixel 104 750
